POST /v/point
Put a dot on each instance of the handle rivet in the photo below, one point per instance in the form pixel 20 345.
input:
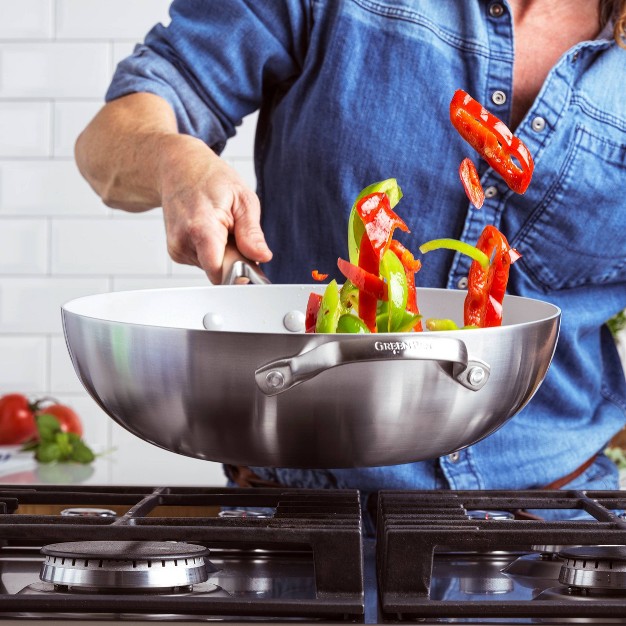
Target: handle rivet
pixel 275 380
pixel 475 376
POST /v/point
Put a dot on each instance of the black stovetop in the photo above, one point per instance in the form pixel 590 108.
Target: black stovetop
pixel 436 556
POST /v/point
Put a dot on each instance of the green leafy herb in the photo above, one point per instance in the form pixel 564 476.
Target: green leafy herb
pixel 617 455
pixel 617 323
pixel 53 445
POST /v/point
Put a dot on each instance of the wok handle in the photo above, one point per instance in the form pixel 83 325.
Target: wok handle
pixel 237 269
pixel 283 374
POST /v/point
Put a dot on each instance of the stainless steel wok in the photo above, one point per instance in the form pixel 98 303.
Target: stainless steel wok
pixel 253 389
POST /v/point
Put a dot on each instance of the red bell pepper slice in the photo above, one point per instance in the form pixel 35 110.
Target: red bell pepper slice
pixel 514 255
pixel 317 276
pixel 471 183
pixel 368 303
pixel 411 266
pixel 486 287
pixel 406 256
pixel 368 299
pixel 491 138
pixel 312 309
pixel 365 281
pixel 379 220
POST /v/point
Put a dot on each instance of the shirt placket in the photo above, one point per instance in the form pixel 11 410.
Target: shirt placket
pixel 535 130
pixel 496 93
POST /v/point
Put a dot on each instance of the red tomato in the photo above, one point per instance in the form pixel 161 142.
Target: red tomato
pixel 17 421
pixel 68 418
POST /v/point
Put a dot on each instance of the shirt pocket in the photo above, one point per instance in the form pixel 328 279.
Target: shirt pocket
pixel 577 235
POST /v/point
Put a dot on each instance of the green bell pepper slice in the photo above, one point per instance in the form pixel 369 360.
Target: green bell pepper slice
pixel 404 326
pixel 458 246
pixel 330 309
pixel 433 323
pixel 349 323
pixel 392 272
pixel 356 227
pixel 349 295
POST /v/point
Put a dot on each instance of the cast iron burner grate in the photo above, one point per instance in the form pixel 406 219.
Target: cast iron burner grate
pixel 323 525
pixel 419 523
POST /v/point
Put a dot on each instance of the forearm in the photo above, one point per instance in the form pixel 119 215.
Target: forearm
pixel 135 159
pixel 122 151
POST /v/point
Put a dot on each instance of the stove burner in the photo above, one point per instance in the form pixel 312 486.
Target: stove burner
pixel 245 513
pixel 493 515
pixel 478 576
pixel 594 567
pixel 125 565
pixel 87 512
pixel 543 565
pixel 551 551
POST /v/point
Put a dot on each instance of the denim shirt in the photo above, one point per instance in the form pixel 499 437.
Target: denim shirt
pixel 355 91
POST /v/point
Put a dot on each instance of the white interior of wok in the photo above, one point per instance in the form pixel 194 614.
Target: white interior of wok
pixel 262 308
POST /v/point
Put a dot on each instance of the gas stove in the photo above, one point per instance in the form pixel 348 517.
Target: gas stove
pixel 138 554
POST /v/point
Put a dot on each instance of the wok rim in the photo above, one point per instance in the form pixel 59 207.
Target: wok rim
pixel 69 308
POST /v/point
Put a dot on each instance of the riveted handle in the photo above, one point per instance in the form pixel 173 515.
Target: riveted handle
pixel 237 269
pixel 283 374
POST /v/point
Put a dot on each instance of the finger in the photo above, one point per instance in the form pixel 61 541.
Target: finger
pixel 179 250
pixel 248 233
pixel 209 244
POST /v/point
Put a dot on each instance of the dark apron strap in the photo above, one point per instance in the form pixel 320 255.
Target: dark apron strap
pixel 557 484
pixel 561 482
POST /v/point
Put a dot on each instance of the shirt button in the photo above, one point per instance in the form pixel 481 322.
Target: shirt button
pixel 454 457
pixel 498 97
pixel 538 124
pixel 462 283
pixel 491 192
pixel 496 10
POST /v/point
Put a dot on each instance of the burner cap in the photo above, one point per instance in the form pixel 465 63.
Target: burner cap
pixel 494 515
pixel 245 513
pixel 551 551
pixel 88 512
pixel 137 565
pixel 594 567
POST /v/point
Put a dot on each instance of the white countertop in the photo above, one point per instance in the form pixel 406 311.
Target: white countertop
pixel 129 464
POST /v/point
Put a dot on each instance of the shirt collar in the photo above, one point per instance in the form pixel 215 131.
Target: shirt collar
pixel 607 31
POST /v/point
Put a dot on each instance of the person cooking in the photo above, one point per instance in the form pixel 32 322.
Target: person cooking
pixel 357 91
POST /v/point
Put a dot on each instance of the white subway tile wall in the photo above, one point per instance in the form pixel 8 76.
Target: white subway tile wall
pixel 25 129
pixel 70 117
pixel 46 188
pixel 58 241
pixel 26 19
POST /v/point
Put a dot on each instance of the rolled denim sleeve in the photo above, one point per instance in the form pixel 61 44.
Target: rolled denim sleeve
pixel 216 61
